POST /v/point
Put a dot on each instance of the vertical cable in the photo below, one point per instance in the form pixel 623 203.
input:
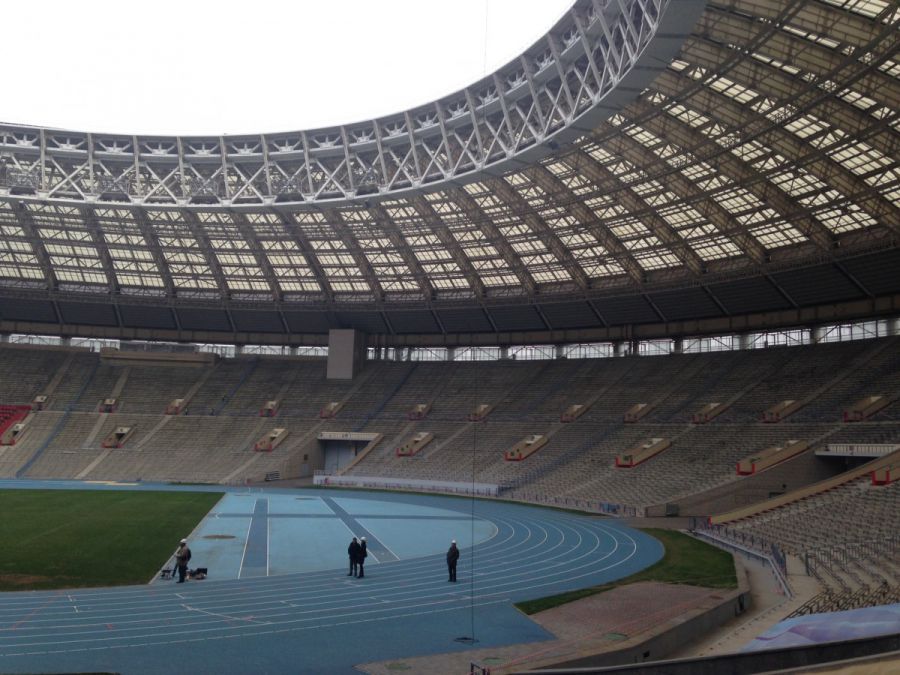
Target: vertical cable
pixel 484 53
pixel 470 639
pixel 472 539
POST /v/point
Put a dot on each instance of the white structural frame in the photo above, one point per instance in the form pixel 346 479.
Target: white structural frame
pixel 548 95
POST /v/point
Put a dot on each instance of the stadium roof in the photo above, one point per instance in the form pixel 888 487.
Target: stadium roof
pixel 628 169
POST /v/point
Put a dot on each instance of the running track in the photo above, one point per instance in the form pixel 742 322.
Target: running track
pixel 323 622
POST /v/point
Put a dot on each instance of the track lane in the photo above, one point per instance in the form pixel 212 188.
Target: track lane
pixel 533 552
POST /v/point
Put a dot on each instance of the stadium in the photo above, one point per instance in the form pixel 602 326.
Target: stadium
pixel 622 318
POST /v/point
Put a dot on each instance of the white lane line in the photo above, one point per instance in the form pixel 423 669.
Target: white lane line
pixel 244 635
pixel 246 543
pixel 227 617
pixel 564 531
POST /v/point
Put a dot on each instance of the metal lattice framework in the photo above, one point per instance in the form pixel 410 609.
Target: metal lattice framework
pixel 549 92
pixel 769 141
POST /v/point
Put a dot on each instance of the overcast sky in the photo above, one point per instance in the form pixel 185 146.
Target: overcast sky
pixel 213 67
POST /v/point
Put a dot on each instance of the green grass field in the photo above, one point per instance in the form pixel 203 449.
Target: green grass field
pixel 70 538
pixel 686 561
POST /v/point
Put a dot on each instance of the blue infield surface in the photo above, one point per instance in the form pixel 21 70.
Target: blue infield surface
pixel 278 596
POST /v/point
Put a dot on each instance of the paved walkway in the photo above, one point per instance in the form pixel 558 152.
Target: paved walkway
pixel 601 623
pixel 605 622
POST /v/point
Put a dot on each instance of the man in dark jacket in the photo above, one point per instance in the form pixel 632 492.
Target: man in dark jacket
pixel 182 557
pixel 362 556
pixel 452 557
pixel 353 552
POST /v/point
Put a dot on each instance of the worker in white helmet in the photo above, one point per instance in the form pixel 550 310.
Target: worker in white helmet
pixel 362 557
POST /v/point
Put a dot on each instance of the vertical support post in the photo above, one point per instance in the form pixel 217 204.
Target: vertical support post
pixel 346 353
pixel 818 334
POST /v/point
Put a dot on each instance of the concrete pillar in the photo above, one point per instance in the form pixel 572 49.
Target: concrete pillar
pixel 346 353
pixel 893 327
pixel 238 350
pixel 620 348
pixel 294 351
pixel 4 337
pixel 451 353
pixel 559 352
pixel 409 351
pixel 678 346
pixel 504 353
pixel 66 342
pixel 744 341
pixel 817 334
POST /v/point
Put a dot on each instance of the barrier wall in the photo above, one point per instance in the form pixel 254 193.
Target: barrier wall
pixel 483 489
pixel 636 412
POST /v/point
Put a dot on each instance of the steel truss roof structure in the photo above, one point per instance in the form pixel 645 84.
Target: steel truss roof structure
pixel 623 171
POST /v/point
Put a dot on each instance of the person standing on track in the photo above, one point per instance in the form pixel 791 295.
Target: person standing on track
pixel 452 557
pixel 353 552
pixel 182 557
pixel 362 556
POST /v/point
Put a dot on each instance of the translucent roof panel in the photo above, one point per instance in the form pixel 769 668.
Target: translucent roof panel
pixel 183 252
pixel 768 143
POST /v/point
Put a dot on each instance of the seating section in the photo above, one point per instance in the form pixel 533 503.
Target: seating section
pixel 524 398
pixel 577 408
pixel 847 537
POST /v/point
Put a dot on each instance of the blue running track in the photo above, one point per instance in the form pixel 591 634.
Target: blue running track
pixel 321 621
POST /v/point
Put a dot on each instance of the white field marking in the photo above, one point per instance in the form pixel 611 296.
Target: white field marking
pixel 225 589
pixel 227 617
pixel 269 589
pixel 550 582
pixel 341 521
pixel 268 535
pixel 591 572
pixel 206 638
pixel 184 625
pixel 592 569
pixel 256 606
pixel 246 543
pixel 353 615
pixel 130 594
pixel 245 608
pixel 190 536
pixel 605 530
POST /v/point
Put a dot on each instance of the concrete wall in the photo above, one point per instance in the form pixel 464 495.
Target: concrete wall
pixel 800 471
pixel 768 661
